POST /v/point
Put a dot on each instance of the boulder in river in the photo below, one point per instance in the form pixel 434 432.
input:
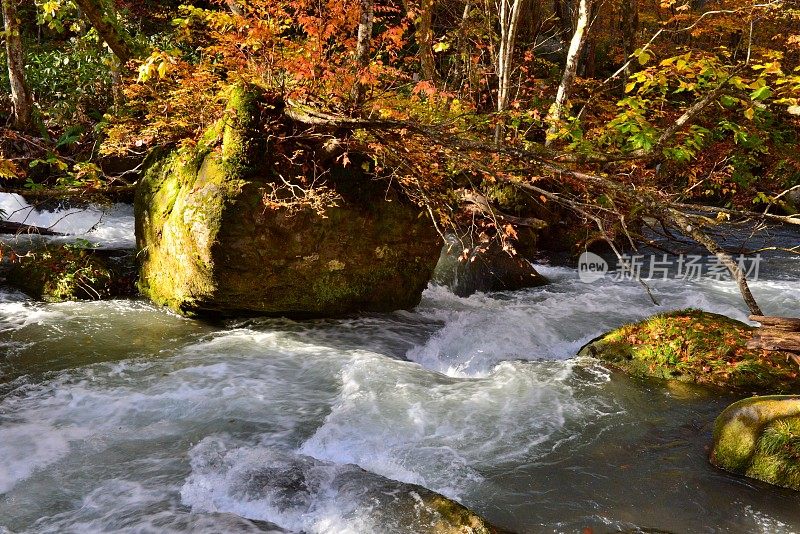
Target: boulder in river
pixel 62 272
pixel 699 347
pixel 483 268
pixel 759 437
pixel 228 226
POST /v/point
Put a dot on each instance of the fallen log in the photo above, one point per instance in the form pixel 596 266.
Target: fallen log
pixel 775 341
pixel 790 324
pixel 8 227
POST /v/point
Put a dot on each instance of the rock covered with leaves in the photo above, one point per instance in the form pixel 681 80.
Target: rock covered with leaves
pixel 759 437
pixel 699 347
pixel 257 219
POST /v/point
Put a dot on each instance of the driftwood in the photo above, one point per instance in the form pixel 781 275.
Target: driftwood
pixel 777 334
pixel 8 227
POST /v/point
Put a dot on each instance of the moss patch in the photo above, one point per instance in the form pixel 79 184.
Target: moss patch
pixel 57 273
pixel 210 244
pixel 699 347
pixel 450 517
pixel 777 456
pixel 760 437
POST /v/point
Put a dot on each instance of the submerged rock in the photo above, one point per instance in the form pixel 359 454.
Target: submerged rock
pixel 303 494
pixel 220 228
pixel 760 438
pixel 483 268
pixel 699 347
pixel 63 272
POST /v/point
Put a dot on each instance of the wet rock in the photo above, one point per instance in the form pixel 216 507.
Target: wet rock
pixel 63 272
pixel 300 493
pixel 210 244
pixel 760 438
pixel 483 268
pixel 698 347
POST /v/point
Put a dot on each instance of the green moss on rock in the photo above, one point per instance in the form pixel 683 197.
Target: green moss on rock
pixel 699 347
pixel 57 273
pixel 209 244
pixel 759 437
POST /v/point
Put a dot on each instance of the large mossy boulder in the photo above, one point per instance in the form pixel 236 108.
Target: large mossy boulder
pixel 66 272
pixel 224 227
pixel 759 437
pixel 699 347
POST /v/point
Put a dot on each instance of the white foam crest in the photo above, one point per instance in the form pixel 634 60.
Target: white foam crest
pixel 28 447
pixel 404 423
pixel 106 403
pixel 111 227
pixel 554 321
pixel 127 506
pixel 300 493
pixel 265 484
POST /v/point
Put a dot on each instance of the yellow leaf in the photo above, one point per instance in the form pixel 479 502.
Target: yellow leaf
pixel 749 113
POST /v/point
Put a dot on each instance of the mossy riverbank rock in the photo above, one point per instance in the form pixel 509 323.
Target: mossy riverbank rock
pixel 699 347
pixel 229 226
pixel 64 272
pixel 759 437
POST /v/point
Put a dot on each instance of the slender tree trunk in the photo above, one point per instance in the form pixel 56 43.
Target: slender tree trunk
pixel 692 230
pixel 21 97
pixel 363 43
pixel 563 12
pixel 570 69
pixel 424 35
pixel 103 20
pixel 509 13
pixel 629 28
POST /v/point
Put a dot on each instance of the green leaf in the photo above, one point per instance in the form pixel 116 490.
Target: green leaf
pixel 761 93
pixel 643 58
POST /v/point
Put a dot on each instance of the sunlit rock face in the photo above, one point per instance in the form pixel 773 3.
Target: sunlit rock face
pixel 209 243
pixel 758 437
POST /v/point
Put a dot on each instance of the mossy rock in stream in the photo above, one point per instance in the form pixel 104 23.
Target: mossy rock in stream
pixel 212 240
pixel 759 437
pixel 696 346
pixel 64 272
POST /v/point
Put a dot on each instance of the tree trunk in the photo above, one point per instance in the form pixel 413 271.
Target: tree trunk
pixel 363 43
pixel 629 27
pixel 103 20
pixel 21 97
pixel 509 13
pixel 680 221
pixel 563 12
pixel 424 35
pixel 570 69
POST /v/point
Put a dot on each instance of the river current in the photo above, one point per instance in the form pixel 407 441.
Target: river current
pixel 121 417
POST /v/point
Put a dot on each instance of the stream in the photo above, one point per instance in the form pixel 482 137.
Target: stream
pixel 118 416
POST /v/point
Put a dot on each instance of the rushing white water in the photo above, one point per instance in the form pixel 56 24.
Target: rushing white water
pixel 120 417
pixel 110 227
